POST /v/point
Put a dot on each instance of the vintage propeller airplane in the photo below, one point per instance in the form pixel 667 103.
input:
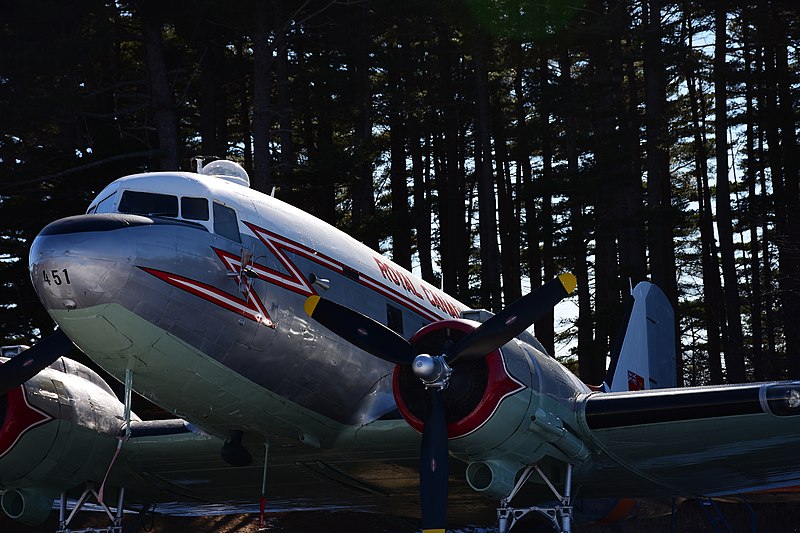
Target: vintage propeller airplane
pixel 270 334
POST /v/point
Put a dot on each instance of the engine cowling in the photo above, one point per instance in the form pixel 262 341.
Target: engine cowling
pixel 57 430
pixel 504 411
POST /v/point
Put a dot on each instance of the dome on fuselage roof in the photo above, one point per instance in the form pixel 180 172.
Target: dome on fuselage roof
pixel 227 170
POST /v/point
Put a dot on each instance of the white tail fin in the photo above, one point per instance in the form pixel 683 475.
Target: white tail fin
pixel 647 357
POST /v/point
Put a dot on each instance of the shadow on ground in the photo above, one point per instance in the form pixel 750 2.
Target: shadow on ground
pixel 690 517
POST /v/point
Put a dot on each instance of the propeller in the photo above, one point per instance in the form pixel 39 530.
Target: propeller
pixel 434 370
pixel 24 366
pixel 433 465
pixel 513 320
pixel 361 331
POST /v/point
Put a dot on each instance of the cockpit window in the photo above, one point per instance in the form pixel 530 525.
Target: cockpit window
pixel 225 224
pixel 148 203
pixel 106 205
pixel 194 208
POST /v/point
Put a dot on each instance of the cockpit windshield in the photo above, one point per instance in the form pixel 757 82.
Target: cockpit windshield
pixel 201 211
pixel 149 204
pixel 194 208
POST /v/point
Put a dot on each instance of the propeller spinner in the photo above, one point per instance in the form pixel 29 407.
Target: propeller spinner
pixel 435 370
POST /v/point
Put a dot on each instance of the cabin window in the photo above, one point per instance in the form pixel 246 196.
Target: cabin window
pixel 225 224
pixel 394 318
pixel 194 208
pixel 149 204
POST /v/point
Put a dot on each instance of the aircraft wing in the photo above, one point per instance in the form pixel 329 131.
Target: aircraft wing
pixel 180 463
pixel 695 441
pixel 183 465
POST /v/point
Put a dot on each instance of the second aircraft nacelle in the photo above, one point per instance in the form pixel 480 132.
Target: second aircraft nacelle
pixel 505 411
pixel 57 430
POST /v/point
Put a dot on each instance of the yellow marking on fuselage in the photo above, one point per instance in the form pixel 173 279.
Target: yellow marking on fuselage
pixel 311 305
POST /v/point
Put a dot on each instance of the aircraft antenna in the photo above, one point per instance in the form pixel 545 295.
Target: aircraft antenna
pixel 198 163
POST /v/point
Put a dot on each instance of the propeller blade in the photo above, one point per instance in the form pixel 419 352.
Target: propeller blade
pixel 513 320
pixel 433 466
pixel 361 331
pixel 24 366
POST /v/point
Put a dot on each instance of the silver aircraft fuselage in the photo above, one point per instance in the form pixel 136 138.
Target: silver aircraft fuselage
pixel 227 346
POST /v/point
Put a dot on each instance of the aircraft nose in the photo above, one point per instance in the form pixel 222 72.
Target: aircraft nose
pixel 81 261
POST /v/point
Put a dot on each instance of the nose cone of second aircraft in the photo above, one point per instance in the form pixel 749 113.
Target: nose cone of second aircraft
pixel 82 261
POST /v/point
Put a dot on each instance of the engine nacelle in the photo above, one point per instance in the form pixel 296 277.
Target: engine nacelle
pixel 504 411
pixel 57 430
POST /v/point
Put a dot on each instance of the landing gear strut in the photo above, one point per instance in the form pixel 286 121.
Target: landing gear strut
pixel 559 515
pixel 115 519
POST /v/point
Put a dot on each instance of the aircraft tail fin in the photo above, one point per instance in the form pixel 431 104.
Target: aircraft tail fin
pixel 646 357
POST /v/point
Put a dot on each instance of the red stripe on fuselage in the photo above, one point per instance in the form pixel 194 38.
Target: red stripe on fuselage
pixel 251 307
pixel 280 245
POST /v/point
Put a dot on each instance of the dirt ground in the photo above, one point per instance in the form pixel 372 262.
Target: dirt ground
pixel 690 517
pixel 334 522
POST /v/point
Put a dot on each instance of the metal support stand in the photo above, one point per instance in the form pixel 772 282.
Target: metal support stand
pixel 714 515
pixel 263 505
pixel 115 519
pixel 559 515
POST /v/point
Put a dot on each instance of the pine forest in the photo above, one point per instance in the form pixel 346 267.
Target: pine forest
pixel 486 145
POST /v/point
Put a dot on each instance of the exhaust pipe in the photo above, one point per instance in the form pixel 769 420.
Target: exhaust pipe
pixel 29 506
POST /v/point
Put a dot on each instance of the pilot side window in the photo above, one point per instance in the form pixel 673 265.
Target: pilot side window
pixel 194 208
pixel 106 205
pixel 149 204
pixel 225 224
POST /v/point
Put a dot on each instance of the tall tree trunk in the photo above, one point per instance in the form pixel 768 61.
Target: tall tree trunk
pixel 591 363
pixel 771 154
pixel 244 114
pixel 326 171
pixel 607 177
pixel 323 170
pixel 661 220
pixel 508 215
pixel 522 156
pixel 453 242
pixel 760 362
pixel 401 223
pixel 285 112
pixel 490 253
pixel 508 197
pixel 422 205
pixel 161 100
pixel 712 289
pixel 363 188
pixel 734 345
pixel 632 247
pixel 262 87
pixel 789 238
pixel 210 54
pixel 545 327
